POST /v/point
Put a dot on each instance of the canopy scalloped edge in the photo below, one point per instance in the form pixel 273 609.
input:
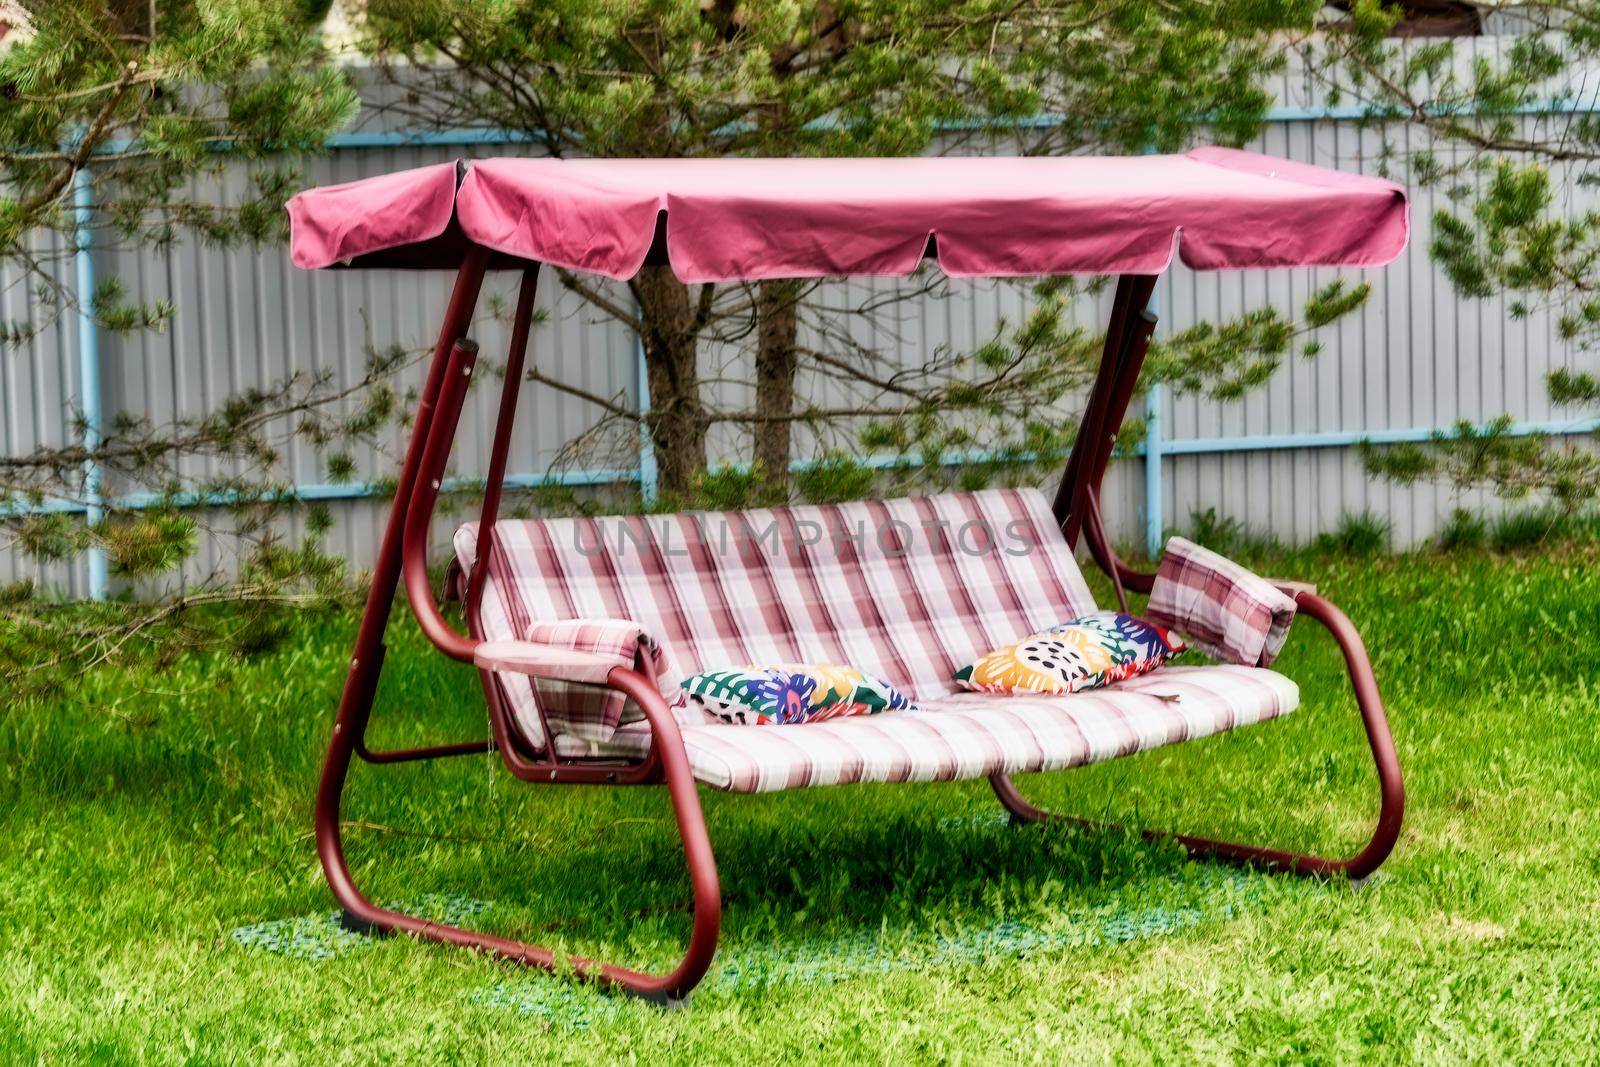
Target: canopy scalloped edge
pixel 752 219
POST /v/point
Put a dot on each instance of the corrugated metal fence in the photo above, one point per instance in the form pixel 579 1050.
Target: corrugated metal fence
pixel 1280 461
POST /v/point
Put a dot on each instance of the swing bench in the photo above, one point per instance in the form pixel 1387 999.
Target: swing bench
pixel 581 628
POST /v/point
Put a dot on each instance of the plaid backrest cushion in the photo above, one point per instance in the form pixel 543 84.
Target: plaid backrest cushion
pixel 1228 612
pixel 907 590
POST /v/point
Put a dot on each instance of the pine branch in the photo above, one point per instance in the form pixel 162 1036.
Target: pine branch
pixel 87 144
pixel 614 407
pixel 592 295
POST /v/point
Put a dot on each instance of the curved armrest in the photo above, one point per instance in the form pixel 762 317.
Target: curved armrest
pixel 564 660
pixel 1293 588
pixel 544 661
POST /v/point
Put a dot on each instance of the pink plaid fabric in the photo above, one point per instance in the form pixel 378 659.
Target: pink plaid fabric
pixel 969 735
pixel 1227 612
pixel 591 712
pixel 906 590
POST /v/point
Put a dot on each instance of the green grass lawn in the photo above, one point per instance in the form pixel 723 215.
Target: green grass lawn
pixel 152 823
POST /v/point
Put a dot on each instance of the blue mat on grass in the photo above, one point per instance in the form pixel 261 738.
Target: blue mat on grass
pixel 558 1002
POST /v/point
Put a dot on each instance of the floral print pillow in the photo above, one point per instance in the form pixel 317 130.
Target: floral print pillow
pixel 789 694
pixel 1083 653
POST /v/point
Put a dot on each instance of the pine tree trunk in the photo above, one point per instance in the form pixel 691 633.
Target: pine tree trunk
pixel 677 422
pixel 776 363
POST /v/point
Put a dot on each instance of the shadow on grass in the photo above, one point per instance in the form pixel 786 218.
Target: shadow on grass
pixel 1162 908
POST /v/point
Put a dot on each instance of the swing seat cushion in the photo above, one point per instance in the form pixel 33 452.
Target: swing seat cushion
pixel 909 591
pixel 970 735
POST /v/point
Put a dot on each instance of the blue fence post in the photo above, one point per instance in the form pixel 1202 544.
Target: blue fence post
pixel 647 446
pixel 1153 520
pixel 1152 440
pixel 88 368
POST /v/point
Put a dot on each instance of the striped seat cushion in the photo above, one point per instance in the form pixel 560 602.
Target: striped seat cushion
pixel 905 590
pixel 970 735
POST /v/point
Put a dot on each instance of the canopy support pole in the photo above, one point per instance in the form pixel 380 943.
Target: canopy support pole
pixel 355 705
pixel 516 356
pixel 1127 338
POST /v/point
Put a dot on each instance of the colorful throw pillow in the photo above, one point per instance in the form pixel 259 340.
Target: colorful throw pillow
pixel 788 694
pixel 1083 653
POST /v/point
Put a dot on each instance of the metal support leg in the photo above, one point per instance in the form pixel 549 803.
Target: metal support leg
pixel 355 708
pixel 1391 807
pixel 365 917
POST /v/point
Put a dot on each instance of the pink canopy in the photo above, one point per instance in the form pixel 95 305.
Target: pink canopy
pixel 748 219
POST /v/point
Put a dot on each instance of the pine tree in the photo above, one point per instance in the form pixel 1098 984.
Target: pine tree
pixel 1501 135
pixel 710 78
pixel 134 99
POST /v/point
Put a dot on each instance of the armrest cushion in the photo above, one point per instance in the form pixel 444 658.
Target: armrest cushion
pixel 544 661
pixel 1226 611
pixel 569 662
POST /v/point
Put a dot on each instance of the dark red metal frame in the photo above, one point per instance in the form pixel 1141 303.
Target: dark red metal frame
pixel 402 555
